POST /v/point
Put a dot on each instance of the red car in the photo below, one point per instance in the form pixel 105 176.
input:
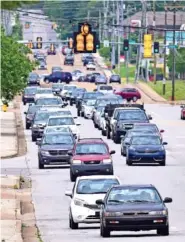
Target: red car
pixel 128 93
pixel 90 156
pixel 183 112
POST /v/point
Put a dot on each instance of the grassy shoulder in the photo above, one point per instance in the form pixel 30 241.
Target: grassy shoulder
pixel 179 89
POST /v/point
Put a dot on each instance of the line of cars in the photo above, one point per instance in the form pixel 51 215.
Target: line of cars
pixel 97 194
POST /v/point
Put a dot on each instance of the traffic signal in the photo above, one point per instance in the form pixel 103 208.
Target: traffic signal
pixel 126 45
pixel 156 47
pixel 85 40
pixel 39 42
pixel 52 47
pixel 30 44
pixel 27 25
pixel 147 46
pixel 70 43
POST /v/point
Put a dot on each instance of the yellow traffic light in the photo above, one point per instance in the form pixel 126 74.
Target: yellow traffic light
pixel 70 43
pixel 89 42
pixel 80 42
pixel 147 45
pixel 52 47
pixel 39 43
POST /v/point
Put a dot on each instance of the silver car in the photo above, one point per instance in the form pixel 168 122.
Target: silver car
pixel 88 107
pixel 97 116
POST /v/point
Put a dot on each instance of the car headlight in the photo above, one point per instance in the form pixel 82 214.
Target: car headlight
pixel 163 212
pixel 76 161
pixel 132 149
pixel 113 214
pixel 79 202
pixel 44 152
pixel 107 161
pixel 35 126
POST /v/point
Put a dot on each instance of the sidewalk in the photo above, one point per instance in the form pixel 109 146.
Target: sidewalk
pixel 9 143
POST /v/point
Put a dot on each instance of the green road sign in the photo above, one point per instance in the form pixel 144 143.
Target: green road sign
pixel 172 46
pixel 132 42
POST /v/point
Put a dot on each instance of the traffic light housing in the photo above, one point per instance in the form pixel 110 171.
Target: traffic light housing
pixel 39 42
pixel 70 43
pixel 27 25
pixel 85 40
pixel 52 47
pixel 156 47
pixel 126 45
pixel 148 46
pixel 30 44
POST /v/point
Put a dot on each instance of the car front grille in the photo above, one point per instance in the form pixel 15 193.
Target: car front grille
pixel 92 162
pixel 92 206
pixel 58 152
pixel 135 213
pixel 147 151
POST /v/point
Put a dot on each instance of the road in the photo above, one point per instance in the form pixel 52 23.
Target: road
pixel 49 185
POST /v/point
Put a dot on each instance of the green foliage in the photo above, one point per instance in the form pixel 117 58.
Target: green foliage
pixel 179 61
pixel 15 67
pixel 17 30
pixel 9 5
pixel 105 52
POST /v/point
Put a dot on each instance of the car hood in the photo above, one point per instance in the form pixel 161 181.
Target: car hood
pixel 107 91
pixel 41 122
pixel 89 198
pixel 137 207
pixel 57 147
pixel 91 157
pixel 132 121
pixel 145 148
pixel 73 128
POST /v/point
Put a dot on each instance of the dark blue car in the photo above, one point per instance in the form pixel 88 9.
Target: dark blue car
pixel 146 148
pixel 59 76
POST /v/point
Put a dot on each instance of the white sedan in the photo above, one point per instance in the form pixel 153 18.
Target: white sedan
pixel 91 66
pixel 88 189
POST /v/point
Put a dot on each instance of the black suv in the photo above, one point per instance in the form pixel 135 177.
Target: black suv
pixel 33 79
pixel 29 95
pixel 133 208
pixel 32 109
pixel 54 148
pixel 69 60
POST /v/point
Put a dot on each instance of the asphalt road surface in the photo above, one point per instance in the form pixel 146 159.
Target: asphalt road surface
pixel 49 185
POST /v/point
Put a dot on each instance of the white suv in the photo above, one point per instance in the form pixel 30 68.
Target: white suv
pixel 86 190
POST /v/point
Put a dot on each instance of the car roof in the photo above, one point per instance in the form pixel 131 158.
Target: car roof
pixel 147 135
pixel 144 124
pixel 62 116
pixel 90 140
pixel 94 177
pixel 108 96
pixel 63 133
pixel 134 186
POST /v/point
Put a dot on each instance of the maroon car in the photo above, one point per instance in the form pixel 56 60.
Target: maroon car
pixel 128 93
pixel 91 156
pixel 183 112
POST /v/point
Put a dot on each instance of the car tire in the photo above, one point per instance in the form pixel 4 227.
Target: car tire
pixel 128 162
pixel 72 224
pixel 104 232
pixel 116 139
pixel 103 132
pixel 33 138
pixel 134 99
pixel 71 103
pixel 124 153
pixel 28 126
pixel 163 231
pixel 95 125
pixel 82 114
pixel 108 133
pixel 41 166
pixel 72 177
pixel 163 163
pixel 78 113
pixel 47 81
pixel 24 103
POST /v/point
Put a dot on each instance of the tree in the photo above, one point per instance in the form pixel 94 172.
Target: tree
pixel 10 5
pixel 15 67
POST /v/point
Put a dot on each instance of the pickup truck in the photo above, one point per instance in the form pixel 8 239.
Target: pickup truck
pixel 121 117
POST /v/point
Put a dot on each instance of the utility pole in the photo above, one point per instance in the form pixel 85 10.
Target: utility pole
pixel 165 43
pixel 145 26
pixel 113 36
pixel 173 66
pixel 127 52
pixel 100 25
pixel 118 33
pixel 105 27
pixel 88 15
pixel 154 25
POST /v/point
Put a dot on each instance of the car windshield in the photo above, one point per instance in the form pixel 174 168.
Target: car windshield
pixel 61 121
pixel 129 90
pixel 95 186
pixel 33 75
pixel 32 109
pixel 152 128
pixel 115 76
pixel 84 149
pixel 41 116
pixel 146 140
pixel 69 88
pixel 100 108
pixel 132 115
pixel 133 195
pixel 107 101
pixel 57 129
pixel 30 90
pixel 106 88
pixel 44 90
pixel 57 139
pixel 48 101
pixel 92 95
pixel 136 132
pixel 90 102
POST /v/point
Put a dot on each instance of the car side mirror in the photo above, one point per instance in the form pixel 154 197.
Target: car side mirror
pixel 112 152
pixel 165 143
pixel 149 117
pixel 106 115
pixel 70 153
pixel 127 143
pixel 161 131
pixel 95 90
pixel 122 136
pixel 25 112
pixel 182 106
pixel 78 124
pixel 68 194
pixel 38 142
pixel 75 117
pixel 99 202
pixel 167 200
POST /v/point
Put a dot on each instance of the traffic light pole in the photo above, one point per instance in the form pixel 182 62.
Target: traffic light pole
pixel 154 24
pixel 173 66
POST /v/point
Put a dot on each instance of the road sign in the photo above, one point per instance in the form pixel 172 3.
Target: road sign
pixel 172 46
pixel 132 42
pixel 106 43
pixel 179 36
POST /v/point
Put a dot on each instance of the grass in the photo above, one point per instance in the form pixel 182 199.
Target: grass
pixel 179 89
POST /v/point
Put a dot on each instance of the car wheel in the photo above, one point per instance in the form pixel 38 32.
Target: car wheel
pixel 78 113
pixel 41 166
pixel 59 80
pixel 27 126
pixel 104 232
pixel 24 103
pixel 116 139
pixel 108 133
pixel 164 231
pixel 47 81
pixel 72 177
pixel 124 152
pixel 82 114
pixel 33 138
pixel 72 224
pixel 134 99
pixel 103 132
pixel 128 162
pixel 163 163
pixel 95 125
pixel 71 103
